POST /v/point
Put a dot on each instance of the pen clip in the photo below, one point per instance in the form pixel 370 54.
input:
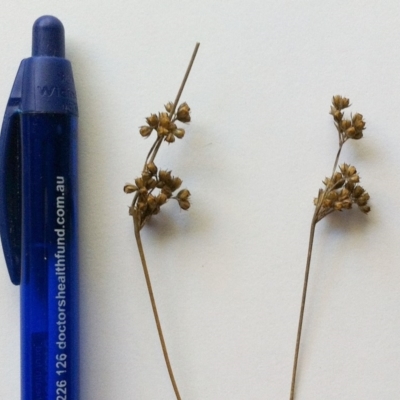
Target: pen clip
pixel 10 181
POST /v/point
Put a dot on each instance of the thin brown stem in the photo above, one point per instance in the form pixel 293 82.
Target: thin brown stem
pixel 178 96
pixel 154 307
pixel 316 218
pixel 157 144
pixel 317 214
pixel 156 148
pixel 138 225
pixel 303 303
pixel 151 151
pixel 337 157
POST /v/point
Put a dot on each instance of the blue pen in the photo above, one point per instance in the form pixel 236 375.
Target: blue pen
pixel 38 214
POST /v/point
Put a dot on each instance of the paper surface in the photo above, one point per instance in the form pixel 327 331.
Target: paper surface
pixel 228 273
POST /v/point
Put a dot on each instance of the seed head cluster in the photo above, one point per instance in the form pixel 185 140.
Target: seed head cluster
pixel 348 128
pixel 155 187
pixel 341 192
pixel 164 123
pixel 342 189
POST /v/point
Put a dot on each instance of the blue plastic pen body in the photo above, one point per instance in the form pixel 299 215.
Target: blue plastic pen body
pixel 49 276
pixel 39 214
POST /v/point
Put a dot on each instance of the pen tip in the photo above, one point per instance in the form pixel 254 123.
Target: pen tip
pixel 48 37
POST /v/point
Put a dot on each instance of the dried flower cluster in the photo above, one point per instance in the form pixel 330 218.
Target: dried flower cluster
pixel 164 123
pixel 147 202
pixel 155 187
pixel 341 192
pixel 347 128
pixel 342 189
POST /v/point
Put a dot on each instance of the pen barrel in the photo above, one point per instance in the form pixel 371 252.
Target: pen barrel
pixel 49 275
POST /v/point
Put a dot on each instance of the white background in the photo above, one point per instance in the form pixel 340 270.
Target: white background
pixel 228 273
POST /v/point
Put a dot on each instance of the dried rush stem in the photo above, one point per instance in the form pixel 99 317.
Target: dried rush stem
pixel 154 307
pixel 314 222
pixel 145 204
pixel 340 193
pixel 303 303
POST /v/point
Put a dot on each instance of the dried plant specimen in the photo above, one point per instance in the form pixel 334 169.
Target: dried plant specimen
pixel 156 186
pixel 341 191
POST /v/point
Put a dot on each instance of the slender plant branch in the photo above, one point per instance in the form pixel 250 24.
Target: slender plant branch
pixel 157 141
pixel 154 307
pixel 303 303
pixel 340 193
pixel 178 96
pixel 337 159
pixel 156 148
pixel 156 145
pixel 145 204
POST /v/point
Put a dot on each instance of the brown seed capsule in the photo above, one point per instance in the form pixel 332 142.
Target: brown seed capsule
pixel 151 202
pixel 184 204
pixel 170 138
pixel 143 192
pixel 354 178
pixel 338 184
pixel 145 131
pixel 176 183
pixel 340 102
pixel 146 175
pixel 327 203
pixel 152 120
pixel 337 101
pixel 167 191
pixel 142 206
pixel 345 124
pixel 365 209
pixel 363 199
pixel 139 182
pixel 358 121
pixel 169 106
pixel 151 184
pixel 345 102
pixel 183 113
pixel 358 135
pixel 179 133
pixel 129 188
pixel 349 186
pixel 338 206
pixel 332 196
pixel 161 199
pixel 347 204
pixel 152 167
pixel 351 132
pixel 333 110
pixel 183 194
pixel 361 202
pixel 337 177
pixel 164 176
pixel 338 116
pixel 344 194
pixel 344 167
pixel 359 125
pixel 358 191
pixel 164 120
pixel 162 131
pixel 351 170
